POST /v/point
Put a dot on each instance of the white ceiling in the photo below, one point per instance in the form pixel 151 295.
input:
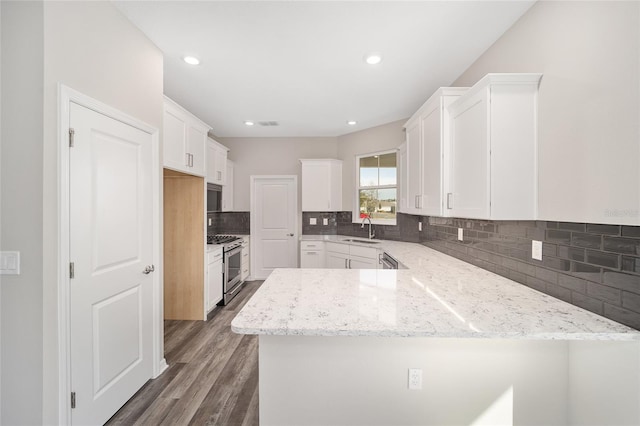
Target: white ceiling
pixel 300 63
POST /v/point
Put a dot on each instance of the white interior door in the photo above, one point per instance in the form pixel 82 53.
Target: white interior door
pixel 274 224
pixel 111 244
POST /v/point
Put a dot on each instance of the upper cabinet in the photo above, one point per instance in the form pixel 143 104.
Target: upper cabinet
pixel 423 158
pixel 184 140
pixel 227 190
pixel 321 185
pixel 493 152
pixel 216 162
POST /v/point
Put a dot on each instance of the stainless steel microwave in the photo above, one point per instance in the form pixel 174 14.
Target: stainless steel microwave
pixel 214 198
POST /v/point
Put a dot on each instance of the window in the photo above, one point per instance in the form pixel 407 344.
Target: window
pixel 377 188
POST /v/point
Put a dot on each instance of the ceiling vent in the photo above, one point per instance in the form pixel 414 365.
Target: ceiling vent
pixel 268 123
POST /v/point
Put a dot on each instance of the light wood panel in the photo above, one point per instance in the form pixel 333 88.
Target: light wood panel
pixel 212 376
pixel 184 242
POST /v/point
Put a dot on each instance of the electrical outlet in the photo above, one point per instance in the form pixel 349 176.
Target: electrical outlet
pixel 460 234
pixel 536 250
pixel 419 226
pixel 325 221
pixel 209 222
pixel 312 221
pixel 415 379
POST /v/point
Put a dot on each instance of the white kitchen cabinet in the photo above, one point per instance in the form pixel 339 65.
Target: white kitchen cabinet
pixel 321 185
pixel 214 278
pixel 227 189
pixel 427 150
pixel 244 260
pixel 493 157
pixel 312 254
pixel 184 140
pixel 403 190
pixel 347 256
pixel 216 162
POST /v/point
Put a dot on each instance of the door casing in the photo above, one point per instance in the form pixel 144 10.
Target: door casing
pixel 66 95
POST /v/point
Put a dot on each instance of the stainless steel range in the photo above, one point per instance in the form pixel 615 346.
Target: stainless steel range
pixel 232 257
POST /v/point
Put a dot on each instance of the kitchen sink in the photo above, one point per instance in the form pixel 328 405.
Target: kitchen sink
pixel 353 240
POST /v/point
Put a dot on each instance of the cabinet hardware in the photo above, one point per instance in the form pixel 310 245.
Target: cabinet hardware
pixel 186 156
pixel 73 400
pixel 449 200
pixel 72 134
pixel 345 264
pixel 290 235
pixel 191 156
pixel 72 270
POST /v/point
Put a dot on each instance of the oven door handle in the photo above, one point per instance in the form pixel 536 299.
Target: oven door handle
pixel 233 251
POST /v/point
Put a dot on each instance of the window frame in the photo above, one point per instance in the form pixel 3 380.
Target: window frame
pixel 355 217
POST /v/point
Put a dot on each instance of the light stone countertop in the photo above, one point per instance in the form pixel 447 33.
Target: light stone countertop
pixel 437 296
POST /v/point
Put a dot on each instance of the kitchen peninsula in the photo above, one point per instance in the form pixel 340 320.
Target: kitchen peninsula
pixel 336 347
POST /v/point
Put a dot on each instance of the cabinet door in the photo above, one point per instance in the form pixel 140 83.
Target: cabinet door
pixel 227 189
pixel 336 260
pixel 214 276
pixel 174 140
pixel 432 161
pixel 470 158
pixel 402 179
pixel 196 142
pixel 414 174
pixel 312 259
pixel 356 262
pixel 315 187
pixel 220 165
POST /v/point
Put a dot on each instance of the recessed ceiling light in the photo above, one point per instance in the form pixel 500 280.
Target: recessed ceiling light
pixel 192 60
pixel 249 123
pixel 352 122
pixel 373 58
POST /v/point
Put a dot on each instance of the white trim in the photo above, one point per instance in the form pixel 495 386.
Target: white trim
pixel 253 220
pixel 66 96
pixel 355 213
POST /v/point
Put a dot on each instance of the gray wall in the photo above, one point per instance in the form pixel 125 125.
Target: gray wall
pixel 589 97
pixel 21 215
pixel 92 48
pixel 271 156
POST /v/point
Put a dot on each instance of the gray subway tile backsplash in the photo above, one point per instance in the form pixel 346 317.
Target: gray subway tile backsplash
pixel 593 266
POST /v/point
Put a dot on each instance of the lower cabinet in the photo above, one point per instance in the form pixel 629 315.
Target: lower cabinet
pixel 347 256
pixel 312 254
pixel 244 260
pixel 214 278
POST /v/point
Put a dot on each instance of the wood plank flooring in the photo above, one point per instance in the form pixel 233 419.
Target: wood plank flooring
pixel 212 377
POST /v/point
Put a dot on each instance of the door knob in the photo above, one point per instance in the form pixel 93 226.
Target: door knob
pixel 290 235
pixel 149 269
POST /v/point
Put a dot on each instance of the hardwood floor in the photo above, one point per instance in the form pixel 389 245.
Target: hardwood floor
pixel 212 377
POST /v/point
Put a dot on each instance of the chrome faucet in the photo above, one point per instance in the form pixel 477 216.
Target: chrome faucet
pixel 371 233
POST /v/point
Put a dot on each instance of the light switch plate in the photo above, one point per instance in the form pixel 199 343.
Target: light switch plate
pixel 325 221
pixel 10 263
pixel 460 234
pixel 536 250
pixel 312 221
pixel 419 226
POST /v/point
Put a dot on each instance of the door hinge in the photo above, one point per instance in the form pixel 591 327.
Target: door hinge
pixel 73 400
pixel 72 133
pixel 72 270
